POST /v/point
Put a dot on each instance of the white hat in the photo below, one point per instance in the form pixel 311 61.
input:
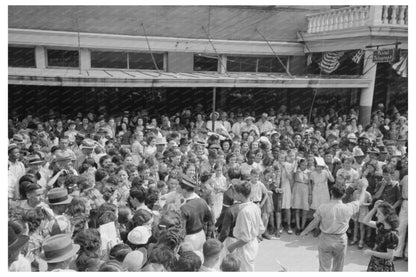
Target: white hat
pixel 139 235
pixel 135 260
pixel 358 152
pixel 320 161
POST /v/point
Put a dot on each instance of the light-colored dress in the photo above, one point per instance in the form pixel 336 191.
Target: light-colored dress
pixel 320 191
pixel 219 184
pixel 287 178
pixel 247 228
pixel 363 211
pixel 300 193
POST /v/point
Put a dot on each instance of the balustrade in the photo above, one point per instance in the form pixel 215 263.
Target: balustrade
pixel 357 16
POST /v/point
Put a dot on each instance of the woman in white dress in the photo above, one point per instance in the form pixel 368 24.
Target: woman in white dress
pixel 319 181
pixel 219 183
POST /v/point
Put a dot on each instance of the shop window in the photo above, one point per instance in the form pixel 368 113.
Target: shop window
pixel 108 59
pixel 256 64
pixel 145 61
pixel 21 57
pixel 63 58
pixel 204 62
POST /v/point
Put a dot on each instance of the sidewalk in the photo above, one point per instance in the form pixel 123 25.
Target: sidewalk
pixel 302 255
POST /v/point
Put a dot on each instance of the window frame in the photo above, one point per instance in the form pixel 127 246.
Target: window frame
pixel 128 60
pixel 218 70
pixel 22 46
pixel 257 63
pixel 62 49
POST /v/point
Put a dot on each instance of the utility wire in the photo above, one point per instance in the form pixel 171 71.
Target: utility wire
pixel 277 56
pixel 150 49
pixel 215 50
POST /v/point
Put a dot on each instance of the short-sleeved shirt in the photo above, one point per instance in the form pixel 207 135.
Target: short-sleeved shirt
pixel 335 216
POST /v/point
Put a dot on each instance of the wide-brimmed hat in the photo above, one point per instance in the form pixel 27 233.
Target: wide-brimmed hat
pixel 88 144
pixel 352 138
pixel 216 113
pixel 135 260
pixel 34 159
pixel 249 118
pixel 160 141
pixel 62 156
pixel 139 235
pixel 58 196
pixel 17 138
pixel 16 241
pixel 58 248
pixel 12 146
pixel 185 180
pixel 200 142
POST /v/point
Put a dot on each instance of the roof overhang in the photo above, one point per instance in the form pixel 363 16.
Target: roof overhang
pixel 128 78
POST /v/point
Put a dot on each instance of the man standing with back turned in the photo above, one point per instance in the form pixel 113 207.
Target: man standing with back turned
pixel 333 218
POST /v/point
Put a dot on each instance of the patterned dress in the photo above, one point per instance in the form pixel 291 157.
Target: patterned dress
pixel 300 193
pixel 385 239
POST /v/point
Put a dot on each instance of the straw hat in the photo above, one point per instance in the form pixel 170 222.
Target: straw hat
pixel 58 196
pixel 58 248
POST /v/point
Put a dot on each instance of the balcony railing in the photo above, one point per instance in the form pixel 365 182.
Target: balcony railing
pixel 357 16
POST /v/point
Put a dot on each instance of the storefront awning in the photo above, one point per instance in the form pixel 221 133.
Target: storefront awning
pixel 130 78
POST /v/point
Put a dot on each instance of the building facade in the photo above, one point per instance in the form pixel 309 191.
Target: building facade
pixel 164 58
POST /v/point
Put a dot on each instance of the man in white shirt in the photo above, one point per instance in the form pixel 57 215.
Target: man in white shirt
pixel 225 122
pixel 217 124
pixel 333 219
pixel 16 171
pixel 264 124
pixel 238 125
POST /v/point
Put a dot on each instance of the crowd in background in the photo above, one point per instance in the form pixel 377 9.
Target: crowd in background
pixel 195 191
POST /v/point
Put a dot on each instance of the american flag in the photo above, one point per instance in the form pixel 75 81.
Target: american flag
pixel 357 57
pixel 330 61
pixel 401 66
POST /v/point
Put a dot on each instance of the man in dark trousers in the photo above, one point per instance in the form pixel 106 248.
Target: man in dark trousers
pixel 333 218
pixel 195 214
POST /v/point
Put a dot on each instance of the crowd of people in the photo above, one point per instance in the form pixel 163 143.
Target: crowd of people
pixel 199 191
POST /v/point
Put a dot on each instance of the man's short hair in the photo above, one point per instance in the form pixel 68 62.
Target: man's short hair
pixel 338 190
pixel 212 248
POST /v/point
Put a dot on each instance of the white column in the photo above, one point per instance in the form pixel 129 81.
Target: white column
pixel 85 59
pixel 366 98
pixel 40 57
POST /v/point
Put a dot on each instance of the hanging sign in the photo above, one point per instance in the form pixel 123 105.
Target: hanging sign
pixel 384 55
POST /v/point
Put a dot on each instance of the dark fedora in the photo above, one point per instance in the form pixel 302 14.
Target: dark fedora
pixel 16 241
pixel 58 248
pixel 58 196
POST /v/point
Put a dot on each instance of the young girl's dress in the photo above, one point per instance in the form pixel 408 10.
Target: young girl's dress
pixel 300 193
pixel 320 191
pixel 363 211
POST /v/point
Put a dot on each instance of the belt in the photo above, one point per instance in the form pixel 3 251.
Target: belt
pixel 256 202
pixel 194 232
pixel 332 234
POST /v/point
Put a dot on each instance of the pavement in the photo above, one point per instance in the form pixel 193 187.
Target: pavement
pixel 302 255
